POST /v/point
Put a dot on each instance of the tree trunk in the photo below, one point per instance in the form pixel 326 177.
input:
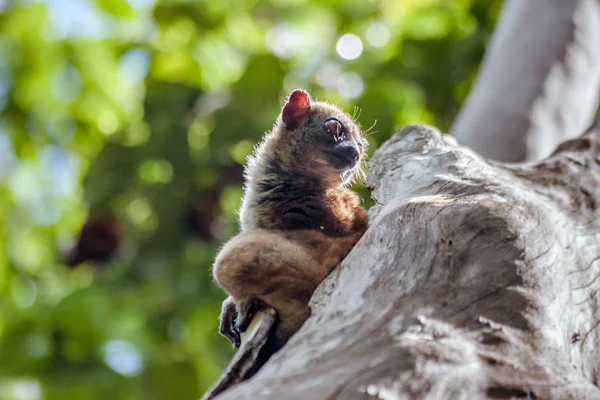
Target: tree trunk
pixel 539 81
pixel 475 280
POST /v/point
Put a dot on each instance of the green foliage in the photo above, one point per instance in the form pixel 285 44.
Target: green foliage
pixel 146 111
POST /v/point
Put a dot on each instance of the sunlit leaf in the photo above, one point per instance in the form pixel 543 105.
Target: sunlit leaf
pixel 119 8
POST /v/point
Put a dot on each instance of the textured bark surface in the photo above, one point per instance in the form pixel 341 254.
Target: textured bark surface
pixel 539 81
pixel 475 280
pixel 251 355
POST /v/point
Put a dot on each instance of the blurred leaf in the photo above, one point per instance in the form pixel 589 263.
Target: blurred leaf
pixel 171 381
pixel 119 8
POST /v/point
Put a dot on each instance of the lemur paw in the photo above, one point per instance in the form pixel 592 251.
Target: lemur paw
pixel 246 310
pixel 236 317
pixel 227 326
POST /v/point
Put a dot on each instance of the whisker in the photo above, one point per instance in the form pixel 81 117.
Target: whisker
pixel 368 131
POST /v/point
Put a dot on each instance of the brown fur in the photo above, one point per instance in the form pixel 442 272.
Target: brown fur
pixel 298 222
pixel 281 268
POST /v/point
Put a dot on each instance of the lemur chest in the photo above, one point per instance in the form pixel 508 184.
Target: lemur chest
pixel 334 213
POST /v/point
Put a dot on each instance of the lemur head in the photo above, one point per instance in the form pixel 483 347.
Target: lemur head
pixel 319 138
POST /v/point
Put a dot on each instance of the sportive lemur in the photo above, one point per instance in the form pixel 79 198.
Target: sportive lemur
pixel 298 219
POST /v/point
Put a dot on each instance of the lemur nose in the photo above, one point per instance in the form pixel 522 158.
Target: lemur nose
pixel 352 152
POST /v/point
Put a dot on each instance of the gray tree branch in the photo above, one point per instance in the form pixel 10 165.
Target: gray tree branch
pixel 476 280
pixel 539 81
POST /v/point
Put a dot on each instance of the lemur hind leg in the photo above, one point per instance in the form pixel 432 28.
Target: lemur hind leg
pixel 278 269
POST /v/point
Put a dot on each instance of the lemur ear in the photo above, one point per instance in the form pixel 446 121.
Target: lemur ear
pixel 296 108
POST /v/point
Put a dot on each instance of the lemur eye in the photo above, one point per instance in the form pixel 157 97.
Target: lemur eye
pixel 334 128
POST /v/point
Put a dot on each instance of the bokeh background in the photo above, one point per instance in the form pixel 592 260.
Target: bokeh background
pixel 123 128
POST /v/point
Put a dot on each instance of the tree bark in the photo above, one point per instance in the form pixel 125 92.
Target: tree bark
pixel 539 81
pixel 476 280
